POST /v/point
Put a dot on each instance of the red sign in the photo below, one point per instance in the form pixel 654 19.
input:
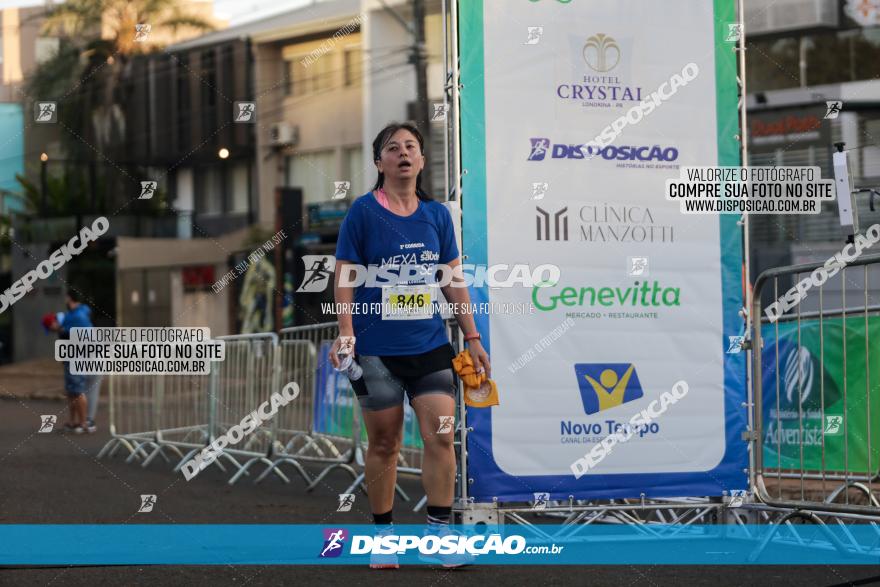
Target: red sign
pixel 198 276
pixel 790 124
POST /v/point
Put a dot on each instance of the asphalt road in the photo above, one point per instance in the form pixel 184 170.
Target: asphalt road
pixel 55 478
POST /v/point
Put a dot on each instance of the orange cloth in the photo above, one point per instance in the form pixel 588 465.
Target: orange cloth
pixel 479 390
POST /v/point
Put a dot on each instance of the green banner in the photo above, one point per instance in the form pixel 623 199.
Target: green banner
pixel 821 400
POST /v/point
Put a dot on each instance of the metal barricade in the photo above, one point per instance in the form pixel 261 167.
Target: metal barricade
pixel 132 414
pixel 238 385
pixel 815 439
pixel 323 425
pixel 151 415
pixel 181 414
pixel 334 435
pixel 326 428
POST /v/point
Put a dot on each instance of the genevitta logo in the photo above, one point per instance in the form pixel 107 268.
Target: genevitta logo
pixel 540 146
pixel 548 297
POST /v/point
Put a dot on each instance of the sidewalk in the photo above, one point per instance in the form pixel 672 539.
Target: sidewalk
pixel 34 379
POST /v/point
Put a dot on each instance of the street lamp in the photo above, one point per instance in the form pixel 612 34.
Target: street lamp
pixel 223 154
pixel 43 159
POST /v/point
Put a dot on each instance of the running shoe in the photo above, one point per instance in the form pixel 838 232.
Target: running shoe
pixel 449 561
pixel 90 427
pixel 384 561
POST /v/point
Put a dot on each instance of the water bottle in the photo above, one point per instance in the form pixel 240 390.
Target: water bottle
pixel 347 364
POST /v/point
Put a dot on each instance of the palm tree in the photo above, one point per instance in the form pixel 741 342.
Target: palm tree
pixel 104 32
pixel 97 41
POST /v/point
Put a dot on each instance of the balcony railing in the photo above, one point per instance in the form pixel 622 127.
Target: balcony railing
pixel 168 225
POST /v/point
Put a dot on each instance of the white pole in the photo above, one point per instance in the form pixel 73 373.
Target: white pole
pixel 446 153
pixel 750 320
pixel 456 167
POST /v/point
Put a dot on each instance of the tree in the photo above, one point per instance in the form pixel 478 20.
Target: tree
pixel 97 40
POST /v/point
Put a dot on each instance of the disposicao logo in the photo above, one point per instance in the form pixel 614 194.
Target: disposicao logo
pixel 334 542
pixel 606 385
pixel 540 147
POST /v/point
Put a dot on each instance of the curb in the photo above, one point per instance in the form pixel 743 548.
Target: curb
pixel 57 395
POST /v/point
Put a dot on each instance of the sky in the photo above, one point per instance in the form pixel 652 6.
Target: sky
pixel 237 11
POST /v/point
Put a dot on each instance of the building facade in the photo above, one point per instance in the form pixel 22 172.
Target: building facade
pixel 801 55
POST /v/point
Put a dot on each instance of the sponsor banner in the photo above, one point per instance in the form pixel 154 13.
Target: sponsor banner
pixel 289 544
pixel 809 408
pixel 653 293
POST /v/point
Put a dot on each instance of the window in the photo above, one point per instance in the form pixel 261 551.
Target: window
pixel 209 75
pixel 210 196
pixel 353 66
pixel 183 103
pixel 314 173
pixel 773 64
pixel 355 172
pixel 843 56
pixel 240 189
pixel 309 73
pixel 828 58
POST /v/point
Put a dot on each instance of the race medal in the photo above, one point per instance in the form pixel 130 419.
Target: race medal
pixel 406 302
pixel 484 396
pixel 479 394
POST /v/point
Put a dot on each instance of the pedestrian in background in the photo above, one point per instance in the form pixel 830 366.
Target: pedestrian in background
pixel 81 414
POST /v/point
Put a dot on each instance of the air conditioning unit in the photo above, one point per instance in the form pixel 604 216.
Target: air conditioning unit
pixel 283 134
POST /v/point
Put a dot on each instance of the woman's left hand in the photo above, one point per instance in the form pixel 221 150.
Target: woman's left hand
pixel 480 357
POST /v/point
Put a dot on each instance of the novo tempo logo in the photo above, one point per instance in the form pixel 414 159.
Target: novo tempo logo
pixel 607 385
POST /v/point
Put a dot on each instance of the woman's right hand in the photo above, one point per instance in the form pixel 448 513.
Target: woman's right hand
pixel 334 349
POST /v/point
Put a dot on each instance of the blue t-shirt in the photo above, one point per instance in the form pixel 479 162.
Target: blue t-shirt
pixel 372 235
pixel 79 317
